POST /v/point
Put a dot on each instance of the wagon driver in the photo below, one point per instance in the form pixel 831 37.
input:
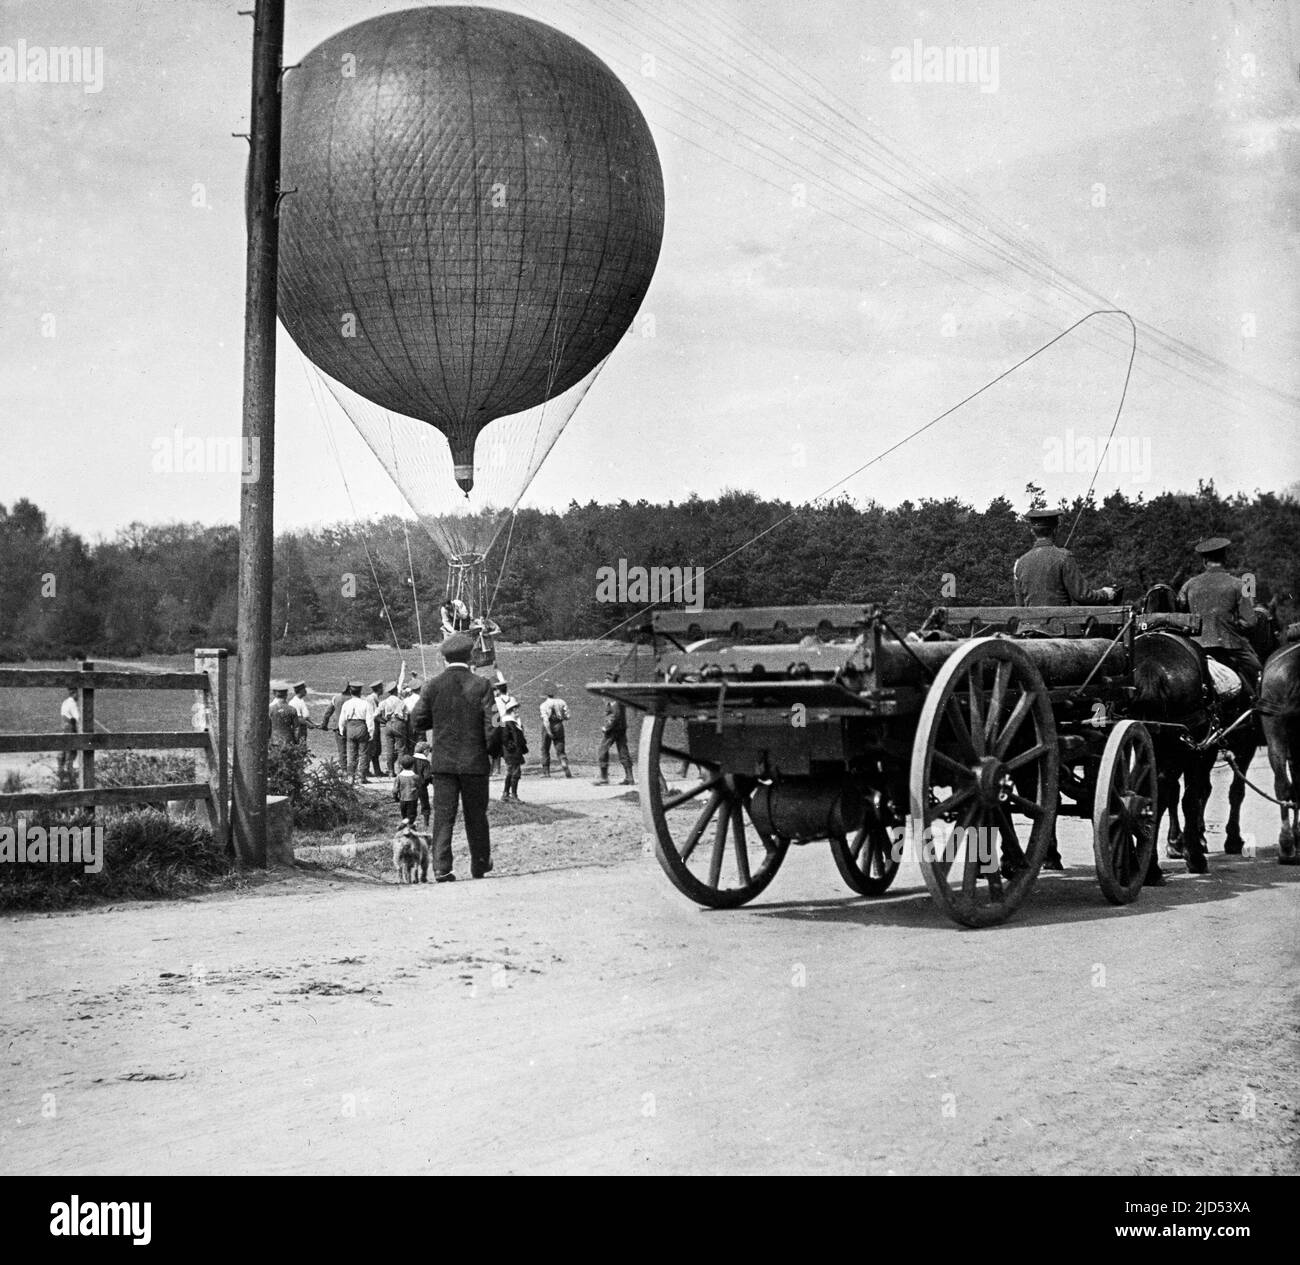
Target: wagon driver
pixel 1048 575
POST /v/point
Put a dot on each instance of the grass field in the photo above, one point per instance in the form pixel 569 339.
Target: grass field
pixel 570 665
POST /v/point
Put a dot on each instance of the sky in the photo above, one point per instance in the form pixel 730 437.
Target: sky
pixel 818 297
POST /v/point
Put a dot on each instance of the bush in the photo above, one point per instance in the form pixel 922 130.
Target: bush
pixel 146 854
pixel 14 783
pixel 134 768
pixel 286 769
pixel 327 799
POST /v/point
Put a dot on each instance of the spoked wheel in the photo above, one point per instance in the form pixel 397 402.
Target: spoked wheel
pixel 1124 812
pixel 868 862
pixel 984 781
pixel 700 820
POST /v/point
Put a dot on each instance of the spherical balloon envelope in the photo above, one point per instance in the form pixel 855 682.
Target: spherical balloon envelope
pixel 475 216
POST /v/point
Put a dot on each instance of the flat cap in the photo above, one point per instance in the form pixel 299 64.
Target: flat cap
pixel 1043 516
pixel 300 685
pixel 355 685
pixel 377 685
pixel 280 687
pixel 457 648
pixel 1213 544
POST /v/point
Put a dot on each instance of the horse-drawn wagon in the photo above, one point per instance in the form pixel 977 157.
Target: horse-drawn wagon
pixel 957 747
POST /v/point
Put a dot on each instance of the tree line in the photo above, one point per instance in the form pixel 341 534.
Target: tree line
pixel 168 588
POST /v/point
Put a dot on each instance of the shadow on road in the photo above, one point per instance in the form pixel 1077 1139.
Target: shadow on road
pixel 1072 896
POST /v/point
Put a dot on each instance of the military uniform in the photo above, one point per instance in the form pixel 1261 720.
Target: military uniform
pixel 331 721
pixel 1218 598
pixel 284 720
pixel 554 711
pixel 1049 576
pixel 614 734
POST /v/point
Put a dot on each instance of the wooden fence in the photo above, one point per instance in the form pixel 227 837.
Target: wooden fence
pixel 207 738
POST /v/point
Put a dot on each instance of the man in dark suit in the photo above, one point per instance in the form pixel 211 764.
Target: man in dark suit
pixel 458 708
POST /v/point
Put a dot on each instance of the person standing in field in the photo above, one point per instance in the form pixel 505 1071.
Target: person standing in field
pixel 301 709
pixel 456 708
pixel 69 723
pixel 406 791
pixel 373 698
pixel 356 725
pixel 555 711
pixel 284 720
pixel 514 746
pixel 392 719
pixel 614 734
pixel 330 722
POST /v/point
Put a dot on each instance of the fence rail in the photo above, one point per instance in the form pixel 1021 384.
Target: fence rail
pixel 207 738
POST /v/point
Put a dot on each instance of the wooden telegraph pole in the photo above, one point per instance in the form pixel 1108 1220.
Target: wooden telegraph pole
pixel 256 511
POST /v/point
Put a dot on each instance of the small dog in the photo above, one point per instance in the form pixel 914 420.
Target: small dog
pixel 411 857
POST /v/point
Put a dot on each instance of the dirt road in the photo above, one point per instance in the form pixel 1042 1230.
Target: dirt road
pixel 593 1020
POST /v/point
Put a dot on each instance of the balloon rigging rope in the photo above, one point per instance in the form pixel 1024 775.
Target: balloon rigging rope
pixel 410 563
pixel 1105 450
pixel 956 211
pixel 880 456
pixel 313 384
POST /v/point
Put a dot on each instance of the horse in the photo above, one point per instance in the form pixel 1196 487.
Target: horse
pixel 1279 708
pixel 1265 637
pixel 1171 693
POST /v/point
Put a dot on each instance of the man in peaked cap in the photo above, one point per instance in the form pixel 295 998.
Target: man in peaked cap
pixel 613 735
pixel 374 697
pixel 1048 575
pixel 332 722
pixel 298 701
pixel 1219 598
pixel 356 724
pixel 457 707
pixel 284 720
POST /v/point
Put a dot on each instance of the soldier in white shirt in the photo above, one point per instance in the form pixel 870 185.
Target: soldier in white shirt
pixel 555 711
pixel 299 704
pixel 70 715
pixel 357 725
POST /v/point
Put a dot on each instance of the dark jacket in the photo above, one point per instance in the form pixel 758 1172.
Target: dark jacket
pixel 457 706
pixel 1049 576
pixel 1218 598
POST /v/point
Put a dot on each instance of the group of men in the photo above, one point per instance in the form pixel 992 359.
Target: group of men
pixel 1047 575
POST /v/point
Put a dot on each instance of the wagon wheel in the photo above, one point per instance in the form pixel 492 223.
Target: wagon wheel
pixel 1123 812
pixel 868 862
pixel 985 754
pixel 699 817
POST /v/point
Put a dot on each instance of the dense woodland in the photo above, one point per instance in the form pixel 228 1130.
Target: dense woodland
pixel 169 588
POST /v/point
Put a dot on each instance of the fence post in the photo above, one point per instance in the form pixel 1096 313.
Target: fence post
pixel 212 764
pixel 87 704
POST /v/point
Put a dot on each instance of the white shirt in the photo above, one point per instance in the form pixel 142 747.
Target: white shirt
pixel 554 709
pixel 300 706
pixel 357 709
pixel 69 710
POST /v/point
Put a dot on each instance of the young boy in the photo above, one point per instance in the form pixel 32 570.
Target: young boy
pixel 423 771
pixel 514 746
pixel 406 790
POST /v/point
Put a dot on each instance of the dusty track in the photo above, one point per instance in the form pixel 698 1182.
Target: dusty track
pixel 593 1020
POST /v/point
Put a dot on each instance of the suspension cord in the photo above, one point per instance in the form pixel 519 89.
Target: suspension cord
pixel 415 598
pixel 338 461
